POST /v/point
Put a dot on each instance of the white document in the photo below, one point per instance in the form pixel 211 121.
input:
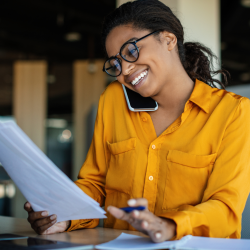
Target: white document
pixel 40 181
pixel 133 242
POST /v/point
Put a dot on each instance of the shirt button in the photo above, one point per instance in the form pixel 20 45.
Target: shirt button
pixel 144 119
pixel 151 178
pixel 153 146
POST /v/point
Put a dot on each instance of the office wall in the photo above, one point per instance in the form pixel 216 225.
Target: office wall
pixel 30 99
pixel 30 102
pixel 89 82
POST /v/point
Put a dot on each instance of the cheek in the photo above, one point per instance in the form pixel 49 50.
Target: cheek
pixel 155 57
pixel 161 59
pixel 157 63
pixel 120 79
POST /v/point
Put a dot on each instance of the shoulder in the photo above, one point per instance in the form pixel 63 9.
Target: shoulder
pixel 224 93
pixel 229 98
pixel 113 96
pixel 230 102
pixel 112 90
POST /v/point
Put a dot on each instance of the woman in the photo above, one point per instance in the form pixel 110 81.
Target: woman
pixel 187 162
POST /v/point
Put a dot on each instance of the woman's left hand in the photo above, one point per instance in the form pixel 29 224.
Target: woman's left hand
pixel 157 228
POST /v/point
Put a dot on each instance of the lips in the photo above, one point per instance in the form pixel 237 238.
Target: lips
pixel 139 78
pixel 131 78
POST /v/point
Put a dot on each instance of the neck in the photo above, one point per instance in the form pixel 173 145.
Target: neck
pixel 175 92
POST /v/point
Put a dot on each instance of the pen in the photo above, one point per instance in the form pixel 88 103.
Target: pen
pixel 130 209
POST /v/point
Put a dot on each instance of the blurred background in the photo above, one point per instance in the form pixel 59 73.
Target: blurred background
pixel 51 75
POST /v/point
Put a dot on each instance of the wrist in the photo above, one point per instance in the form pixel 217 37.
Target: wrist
pixel 68 224
pixel 170 227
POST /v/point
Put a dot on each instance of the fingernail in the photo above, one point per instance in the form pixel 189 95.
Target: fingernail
pixel 45 213
pixel 158 235
pixel 136 213
pixel 53 217
pixel 54 221
pixel 131 202
pixel 108 208
pixel 145 224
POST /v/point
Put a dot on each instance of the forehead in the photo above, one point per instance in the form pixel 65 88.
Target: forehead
pixel 119 35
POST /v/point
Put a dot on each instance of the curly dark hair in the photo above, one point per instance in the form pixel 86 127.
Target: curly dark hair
pixel 153 15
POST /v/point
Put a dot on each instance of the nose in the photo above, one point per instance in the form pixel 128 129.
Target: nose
pixel 127 67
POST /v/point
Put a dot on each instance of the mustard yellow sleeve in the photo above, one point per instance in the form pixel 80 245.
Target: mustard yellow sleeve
pixel 92 176
pixel 219 214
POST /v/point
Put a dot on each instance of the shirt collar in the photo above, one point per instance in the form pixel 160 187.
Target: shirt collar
pixel 201 95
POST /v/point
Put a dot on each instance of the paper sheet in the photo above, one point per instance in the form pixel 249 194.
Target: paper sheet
pixel 206 243
pixel 132 242
pixel 40 181
pixel 128 241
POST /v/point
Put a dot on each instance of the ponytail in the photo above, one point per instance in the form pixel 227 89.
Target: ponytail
pixel 198 60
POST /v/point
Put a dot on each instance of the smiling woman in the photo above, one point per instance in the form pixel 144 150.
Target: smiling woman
pixel 187 163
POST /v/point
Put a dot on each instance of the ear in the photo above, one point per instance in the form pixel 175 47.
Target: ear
pixel 170 40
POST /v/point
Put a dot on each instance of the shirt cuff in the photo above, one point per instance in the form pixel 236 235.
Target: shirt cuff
pixel 78 224
pixel 183 224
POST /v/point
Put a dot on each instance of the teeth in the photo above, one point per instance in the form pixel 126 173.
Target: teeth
pixel 135 81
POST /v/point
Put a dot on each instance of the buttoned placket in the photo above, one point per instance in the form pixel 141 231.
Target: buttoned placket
pixel 151 178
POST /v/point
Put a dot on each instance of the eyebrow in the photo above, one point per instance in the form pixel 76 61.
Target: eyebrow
pixel 130 40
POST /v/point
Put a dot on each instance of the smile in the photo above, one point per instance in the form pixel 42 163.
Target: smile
pixel 139 78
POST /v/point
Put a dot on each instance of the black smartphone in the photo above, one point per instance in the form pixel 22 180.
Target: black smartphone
pixel 136 102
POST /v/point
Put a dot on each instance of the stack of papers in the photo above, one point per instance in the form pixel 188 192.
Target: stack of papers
pixel 128 241
pixel 40 181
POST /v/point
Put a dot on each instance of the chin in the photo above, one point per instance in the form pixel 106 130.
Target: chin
pixel 147 92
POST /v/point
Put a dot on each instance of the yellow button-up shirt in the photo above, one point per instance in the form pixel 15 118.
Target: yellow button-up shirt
pixel 197 172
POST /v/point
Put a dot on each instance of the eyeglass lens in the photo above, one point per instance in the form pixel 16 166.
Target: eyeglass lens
pixel 129 53
pixel 113 67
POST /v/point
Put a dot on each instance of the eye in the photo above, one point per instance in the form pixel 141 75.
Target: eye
pixel 116 66
pixel 132 52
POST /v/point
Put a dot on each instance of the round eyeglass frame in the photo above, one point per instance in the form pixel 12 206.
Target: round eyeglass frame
pixel 122 47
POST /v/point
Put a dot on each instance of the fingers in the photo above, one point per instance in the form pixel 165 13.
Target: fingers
pixel 45 229
pixel 59 227
pixel 44 221
pixel 33 216
pixel 145 216
pixel 153 230
pixel 159 229
pixel 27 207
pixel 41 225
pixel 157 237
pixel 118 213
pixel 146 219
pixel 39 221
pixel 138 202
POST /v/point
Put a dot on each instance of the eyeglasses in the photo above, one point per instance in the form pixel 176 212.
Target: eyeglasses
pixel 129 52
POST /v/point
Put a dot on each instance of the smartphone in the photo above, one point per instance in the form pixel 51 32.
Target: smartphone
pixel 137 103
